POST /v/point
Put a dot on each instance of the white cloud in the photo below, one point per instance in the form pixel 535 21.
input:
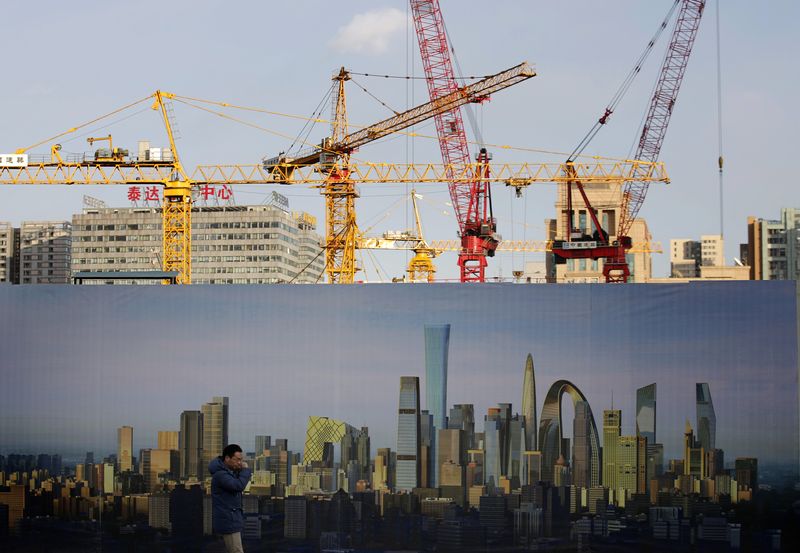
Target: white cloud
pixel 370 32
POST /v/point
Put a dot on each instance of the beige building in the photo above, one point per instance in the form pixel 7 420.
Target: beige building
pixel 155 462
pixel 712 250
pixel 125 448
pixel 168 439
pixel 215 429
pixel 606 199
pixel 230 244
pixel 44 252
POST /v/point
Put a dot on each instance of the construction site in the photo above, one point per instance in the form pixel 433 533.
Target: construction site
pixel 386 195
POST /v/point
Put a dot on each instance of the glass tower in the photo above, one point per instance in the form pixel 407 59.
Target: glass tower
pixel 437 341
pixel 190 444
pixel 407 469
pixel 646 413
pixel 706 419
pixel 529 405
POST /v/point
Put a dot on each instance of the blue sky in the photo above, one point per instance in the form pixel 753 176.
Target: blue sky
pixel 78 362
pixel 75 61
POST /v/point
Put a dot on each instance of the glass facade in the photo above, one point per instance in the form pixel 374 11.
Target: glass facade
pixel 437 341
pixel 706 419
pixel 407 467
pixel 529 405
pixel 215 429
pixel 646 413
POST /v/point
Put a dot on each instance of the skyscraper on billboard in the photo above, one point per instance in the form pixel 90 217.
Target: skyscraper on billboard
pixel 706 419
pixel 529 405
pixel 125 448
pixel 612 426
pixel 407 468
pixel 191 444
pixel 215 430
pixel 646 413
pixel 437 342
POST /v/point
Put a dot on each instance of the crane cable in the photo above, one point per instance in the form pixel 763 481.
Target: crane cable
pixel 719 123
pixel 356 126
pixel 73 129
pixel 624 87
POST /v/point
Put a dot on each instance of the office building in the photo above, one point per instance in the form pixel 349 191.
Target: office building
pixel 125 448
pixel 746 469
pixel 451 451
pixel 437 345
pixel 646 413
pixel 230 244
pixel 44 252
pixel 9 253
pixel 156 465
pixel 612 426
pixel 606 200
pixel 215 429
pixel 684 258
pixel 437 342
pixel 168 439
pixel 706 419
pixel 773 246
pixel 529 405
pixel 552 443
pixel 462 417
pixel 581 468
pixel 321 431
pixel 694 456
pixel 408 468
pixel 262 443
pixel 190 445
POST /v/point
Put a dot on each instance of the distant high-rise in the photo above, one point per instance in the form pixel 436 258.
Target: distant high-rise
pixel 451 450
pixel 529 405
pixel 612 426
pixel 168 439
pixel 262 443
pixel 215 429
pixel 646 413
pixel 492 445
pixel 552 444
pixel 437 342
pixel 581 467
pixel 462 417
pixel 706 419
pixel 190 444
pixel 407 468
pixel 323 430
pixel 363 452
pixel 125 448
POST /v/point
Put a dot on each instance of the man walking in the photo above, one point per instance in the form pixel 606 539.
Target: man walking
pixel 229 477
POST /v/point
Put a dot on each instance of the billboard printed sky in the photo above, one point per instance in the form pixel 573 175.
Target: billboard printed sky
pixel 78 362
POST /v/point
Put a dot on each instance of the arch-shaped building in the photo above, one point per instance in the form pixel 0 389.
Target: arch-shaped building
pixel 550 431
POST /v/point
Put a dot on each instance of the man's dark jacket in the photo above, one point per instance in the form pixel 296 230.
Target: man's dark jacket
pixel 226 497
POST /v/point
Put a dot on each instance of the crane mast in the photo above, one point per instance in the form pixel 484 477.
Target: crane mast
pixel 471 197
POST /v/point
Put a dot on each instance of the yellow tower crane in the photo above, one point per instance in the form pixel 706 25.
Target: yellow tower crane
pixel 327 167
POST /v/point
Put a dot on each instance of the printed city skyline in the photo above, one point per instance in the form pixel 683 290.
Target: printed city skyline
pixel 108 357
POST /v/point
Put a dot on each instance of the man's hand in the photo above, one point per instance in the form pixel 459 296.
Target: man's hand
pixel 243 465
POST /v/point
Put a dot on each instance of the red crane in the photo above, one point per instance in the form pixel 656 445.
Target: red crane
pixel 471 198
pixel 615 267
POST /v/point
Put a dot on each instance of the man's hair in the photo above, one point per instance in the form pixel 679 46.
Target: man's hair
pixel 230 450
